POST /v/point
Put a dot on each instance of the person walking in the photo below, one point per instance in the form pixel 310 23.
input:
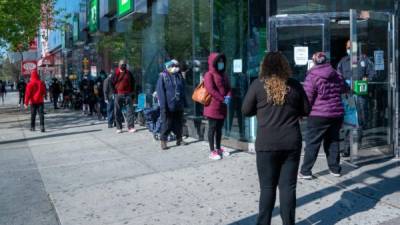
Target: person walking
pixel 124 86
pixel 279 102
pixel 172 101
pixel 34 96
pixel 217 85
pixel 21 87
pixel 324 87
pixel 3 91
pixel 55 89
pixel 109 99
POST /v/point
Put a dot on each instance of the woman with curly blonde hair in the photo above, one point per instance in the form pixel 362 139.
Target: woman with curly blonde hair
pixel 279 102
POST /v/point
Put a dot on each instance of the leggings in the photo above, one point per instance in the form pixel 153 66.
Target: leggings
pixel 215 133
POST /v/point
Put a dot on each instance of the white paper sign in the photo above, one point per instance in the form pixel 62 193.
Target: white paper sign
pixel 379 60
pixel 237 66
pixel 301 56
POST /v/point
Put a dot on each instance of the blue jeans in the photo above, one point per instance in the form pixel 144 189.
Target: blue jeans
pixel 110 112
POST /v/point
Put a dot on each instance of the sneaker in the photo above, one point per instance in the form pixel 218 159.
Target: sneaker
pixel 214 155
pixel 304 177
pixel 132 130
pixel 335 174
pixel 119 131
pixel 223 153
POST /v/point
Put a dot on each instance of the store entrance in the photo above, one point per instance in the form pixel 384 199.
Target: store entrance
pixel 298 37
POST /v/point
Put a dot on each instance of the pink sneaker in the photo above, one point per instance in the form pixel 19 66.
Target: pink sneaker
pixel 132 130
pixel 214 155
pixel 223 153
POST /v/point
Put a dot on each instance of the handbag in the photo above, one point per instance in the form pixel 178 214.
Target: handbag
pixel 201 95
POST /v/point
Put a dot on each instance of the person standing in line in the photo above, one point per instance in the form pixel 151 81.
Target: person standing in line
pixel 324 87
pixel 109 99
pixel 34 96
pixel 218 86
pixel 279 102
pixel 21 87
pixel 124 86
pixel 3 91
pixel 67 93
pixel 172 101
pixel 55 89
pixel 87 95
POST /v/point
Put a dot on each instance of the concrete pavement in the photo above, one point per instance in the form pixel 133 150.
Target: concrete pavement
pixel 80 172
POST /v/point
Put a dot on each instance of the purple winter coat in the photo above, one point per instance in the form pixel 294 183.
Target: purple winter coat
pixel 217 85
pixel 324 86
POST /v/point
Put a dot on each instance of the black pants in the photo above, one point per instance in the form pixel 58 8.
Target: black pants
pixel 171 121
pixel 322 130
pixel 124 101
pixel 55 100
pixel 215 133
pixel 277 169
pixel 21 98
pixel 37 108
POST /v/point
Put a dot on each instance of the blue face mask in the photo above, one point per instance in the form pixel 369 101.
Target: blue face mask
pixel 221 66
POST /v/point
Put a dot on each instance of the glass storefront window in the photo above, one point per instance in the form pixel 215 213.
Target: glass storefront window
pixel 315 6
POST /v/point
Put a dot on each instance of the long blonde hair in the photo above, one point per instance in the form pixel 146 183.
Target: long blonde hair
pixel 274 72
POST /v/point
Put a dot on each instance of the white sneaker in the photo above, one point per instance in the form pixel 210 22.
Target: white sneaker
pixel 335 174
pixel 223 153
pixel 214 155
pixel 132 130
pixel 118 131
pixel 304 177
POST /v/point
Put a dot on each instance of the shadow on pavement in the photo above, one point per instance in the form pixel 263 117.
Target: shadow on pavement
pixel 47 136
pixel 350 202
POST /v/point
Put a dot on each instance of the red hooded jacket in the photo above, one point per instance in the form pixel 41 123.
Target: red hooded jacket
pixel 35 90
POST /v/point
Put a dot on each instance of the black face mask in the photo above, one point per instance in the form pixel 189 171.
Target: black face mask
pixel 123 67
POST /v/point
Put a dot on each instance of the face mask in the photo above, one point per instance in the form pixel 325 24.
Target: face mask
pixel 123 67
pixel 221 66
pixel 176 69
pixel 348 52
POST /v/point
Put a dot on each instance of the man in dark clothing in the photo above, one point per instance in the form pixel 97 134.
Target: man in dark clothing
pixel 55 89
pixel 124 86
pixel 172 100
pixel 87 92
pixel 21 86
pixel 109 99
pixel 366 71
pixel 67 92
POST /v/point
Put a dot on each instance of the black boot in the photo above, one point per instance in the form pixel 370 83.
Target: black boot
pixel 164 145
pixel 42 129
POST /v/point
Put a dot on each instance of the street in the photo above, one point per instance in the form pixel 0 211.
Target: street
pixel 79 172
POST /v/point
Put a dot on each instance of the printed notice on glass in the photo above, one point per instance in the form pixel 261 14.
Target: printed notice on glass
pixel 379 60
pixel 301 56
pixel 237 65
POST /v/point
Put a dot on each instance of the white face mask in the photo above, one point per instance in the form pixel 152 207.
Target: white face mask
pixel 176 69
pixel 348 52
pixel 221 66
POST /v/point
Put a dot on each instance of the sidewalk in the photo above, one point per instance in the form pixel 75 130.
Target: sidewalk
pixel 81 173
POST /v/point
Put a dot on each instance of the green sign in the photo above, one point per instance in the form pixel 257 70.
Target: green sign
pixel 361 87
pixel 93 15
pixel 75 28
pixel 125 7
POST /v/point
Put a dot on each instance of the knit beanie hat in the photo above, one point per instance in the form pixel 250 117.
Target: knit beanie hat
pixel 319 58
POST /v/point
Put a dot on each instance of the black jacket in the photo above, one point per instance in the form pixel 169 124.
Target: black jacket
pixel 108 88
pixel 278 126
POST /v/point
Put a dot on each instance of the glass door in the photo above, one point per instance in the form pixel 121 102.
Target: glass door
pixel 373 83
pixel 298 37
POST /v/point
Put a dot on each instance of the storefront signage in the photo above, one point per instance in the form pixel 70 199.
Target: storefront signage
pixel 301 55
pixel 237 65
pixel 379 60
pixel 28 66
pixel 125 7
pixel 75 29
pixel 93 15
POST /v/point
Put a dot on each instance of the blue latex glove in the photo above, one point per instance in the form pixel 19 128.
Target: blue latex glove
pixel 227 100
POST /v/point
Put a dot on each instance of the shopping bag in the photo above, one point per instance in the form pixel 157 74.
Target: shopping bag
pixel 350 111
